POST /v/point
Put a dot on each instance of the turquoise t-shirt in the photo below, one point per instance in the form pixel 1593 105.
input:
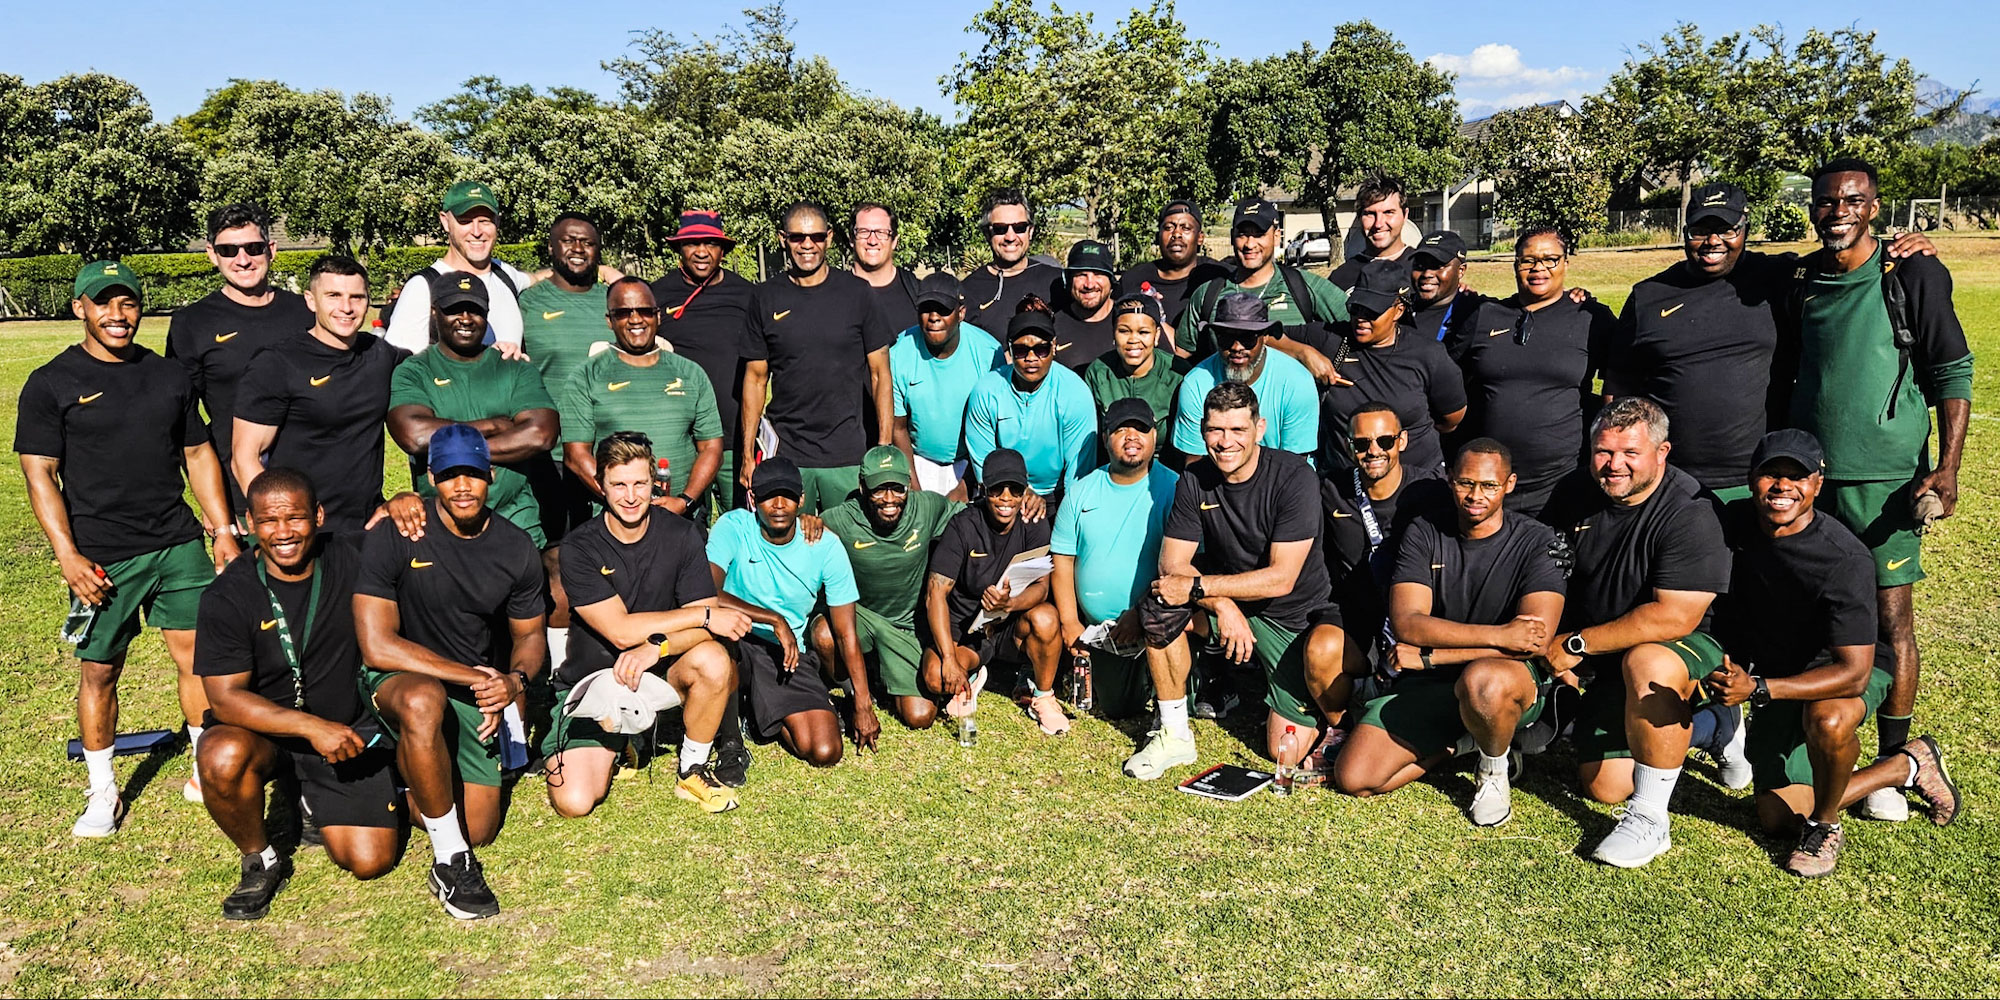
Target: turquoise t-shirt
pixel 1054 427
pixel 932 391
pixel 785 578
pixel 1114 532
pixel 1287 399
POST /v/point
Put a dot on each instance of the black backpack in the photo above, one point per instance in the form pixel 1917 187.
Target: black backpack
pixel 1203 309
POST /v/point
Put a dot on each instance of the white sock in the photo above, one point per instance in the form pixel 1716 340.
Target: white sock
pixel 693 754
pixel 269 855
pixel 1492 765
pixel 447 840
pixel 98 764
pixel 558 646
pixel 1652 789
pixel 1174 718
pixel 194 742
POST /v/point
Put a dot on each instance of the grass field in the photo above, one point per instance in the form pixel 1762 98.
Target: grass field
pixel 1026 865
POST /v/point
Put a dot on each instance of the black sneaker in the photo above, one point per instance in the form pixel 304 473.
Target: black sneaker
pixel 461 887
pixel 255 890
pixel 732 763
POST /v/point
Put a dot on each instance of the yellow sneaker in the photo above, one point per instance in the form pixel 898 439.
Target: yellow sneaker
pixel 701 787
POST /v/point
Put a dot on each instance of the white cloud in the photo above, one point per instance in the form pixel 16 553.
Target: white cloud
pixel 1493 76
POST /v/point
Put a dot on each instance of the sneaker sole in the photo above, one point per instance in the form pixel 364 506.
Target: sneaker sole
pixel 437 889
pixel 262 911
pixel 1665 846
pixel 1164 768
pixel 705 803
pixel 1502 821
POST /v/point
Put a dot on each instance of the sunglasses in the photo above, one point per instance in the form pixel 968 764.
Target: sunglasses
pixel 627 312
pixel 798 238
pixel 230 250
pixel 1041 350
pixel 1007 490
pixel 999 228
pixel 1384 443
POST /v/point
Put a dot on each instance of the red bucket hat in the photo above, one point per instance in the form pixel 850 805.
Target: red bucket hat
pixel 701 226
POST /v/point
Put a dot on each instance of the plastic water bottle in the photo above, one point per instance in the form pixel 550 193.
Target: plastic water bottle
pixel 76 627
pixel 968 732
pixel 663 482
pixel 1288 745
pixel 1079 682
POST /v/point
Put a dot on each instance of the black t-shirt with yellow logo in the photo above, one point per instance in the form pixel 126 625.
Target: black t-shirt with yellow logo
pixel 665 570
pixel 328 406
pixel 455 594
pixel 817 340
pixel 972 554
pixel 214 340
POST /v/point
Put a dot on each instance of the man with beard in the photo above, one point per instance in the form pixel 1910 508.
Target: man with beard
pixel 821 346
pixel 967 582
pixel 317 403
pixel 1038 409
pixel 873 227
pixel 1300 302
pixel 1441 308
pixel 427 612
pixel 994 290
pixel 471 221
pixel 214 338
pixel 285 705
pixel 636 386
pixel 1380 213
pixel 1181 267
pixel 1083 311
pixel 1472 605
pixel 705 312
pixel 888 529
pixel 932 371
pixel 1880 347
pixel 646 602
pixel 1245 335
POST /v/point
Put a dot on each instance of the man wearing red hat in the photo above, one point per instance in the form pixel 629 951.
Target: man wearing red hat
pixel 704 313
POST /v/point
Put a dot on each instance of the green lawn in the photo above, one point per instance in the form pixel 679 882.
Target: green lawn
pixel 1027 865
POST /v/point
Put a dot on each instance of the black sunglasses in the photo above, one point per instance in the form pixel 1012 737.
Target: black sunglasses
pixel 1384 442
pixel 796 238
pixel 627 312
pixel 1041 350
pixel 997 228
pixel 229 250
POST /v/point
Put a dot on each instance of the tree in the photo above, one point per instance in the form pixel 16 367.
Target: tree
pixel 459 118
pixel 1679 110
pixel 1831 96
pixel 208 126
pixel 1548 169
pixel 1316 121
pixel 84 168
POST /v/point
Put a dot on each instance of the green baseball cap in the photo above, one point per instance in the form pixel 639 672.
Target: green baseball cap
pixel 885 464
pixel 99 275
pixel 465 196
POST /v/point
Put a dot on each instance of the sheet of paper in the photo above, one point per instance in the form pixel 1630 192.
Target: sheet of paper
pixel 1021 573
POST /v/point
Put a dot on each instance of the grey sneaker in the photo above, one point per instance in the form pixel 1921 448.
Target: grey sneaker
pixel 1637 839
pixel 1730 763
pixel 1492 799
pixel 1887 805
pixel 103 810
pixel 1163 750
pixel 1818 850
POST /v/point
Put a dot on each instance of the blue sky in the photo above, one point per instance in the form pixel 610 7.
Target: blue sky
pixel 1506 53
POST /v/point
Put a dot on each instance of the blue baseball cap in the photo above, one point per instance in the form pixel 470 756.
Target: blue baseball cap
pixel 460 446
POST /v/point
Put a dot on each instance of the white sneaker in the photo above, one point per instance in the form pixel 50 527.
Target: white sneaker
pixel 1637 839
pixel 1162 751
pixel 1492 799
pixel 102 812
pixel 192 790
pixel 1887 805
pixel 1731 765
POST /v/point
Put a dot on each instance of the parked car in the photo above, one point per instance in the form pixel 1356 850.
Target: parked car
pixel 1308 247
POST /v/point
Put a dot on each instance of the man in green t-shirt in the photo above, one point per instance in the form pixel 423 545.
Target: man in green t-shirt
pixel 563 316
pixel 1867 393
pixel 1254 234
pixel 887 530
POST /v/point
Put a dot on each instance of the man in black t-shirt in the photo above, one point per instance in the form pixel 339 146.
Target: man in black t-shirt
pixel 1799 625
pixel 104 431
pixel 644 601
pixel 427 611
pixel 1181 267
pixel 1242 546
pixel 214 338
pixel 972 615
pixel 1376 359
pixel 872 227
pixel 1648 563
pixel 1473 607
pixel 817 341
pixel 279 660
pixel 1083 311
pixel 705 312
pixel 1380 214
pixel 317 403
pixel 1441 308
pixel 994 291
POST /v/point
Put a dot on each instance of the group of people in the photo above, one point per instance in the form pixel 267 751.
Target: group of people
pixel 1407 507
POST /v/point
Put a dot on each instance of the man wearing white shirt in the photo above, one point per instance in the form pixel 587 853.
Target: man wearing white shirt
pixel 471 220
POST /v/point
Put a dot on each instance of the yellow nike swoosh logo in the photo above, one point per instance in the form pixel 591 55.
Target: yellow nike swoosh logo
pixel 1811 297
pixel 86 399
pixel 615 386
pixel 863 545
pixel 778 316
pixel 553 315
pixel 1210 506
pixel 268 624
pixel 320 380
pixel 1496 333
pixel 1339 514
pixel 1664 313
pixel 440 381
pixel 224 338
pixel 415 564
pixel 1437 565
pixel 606 570
pixel 977 555
pixel 1063 347
pixel 1896 564
pixel 671 386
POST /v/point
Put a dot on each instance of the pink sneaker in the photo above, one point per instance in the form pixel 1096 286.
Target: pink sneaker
pixel 1048 714
pixel 966 702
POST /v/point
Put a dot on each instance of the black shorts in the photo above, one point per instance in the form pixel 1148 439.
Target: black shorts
pixel 359 791
pixel 774 694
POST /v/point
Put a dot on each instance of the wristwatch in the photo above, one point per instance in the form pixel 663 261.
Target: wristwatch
pixel 1574 645
pixel 1195 593
pixel 690 502
pixel 1760 698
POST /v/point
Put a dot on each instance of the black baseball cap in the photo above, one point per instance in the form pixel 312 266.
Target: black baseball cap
pixel 1442 246
pixel 1181 206
pixel 1797 445
pixel 1260 213
pixel 1089 255
pixel 1036 324
pixel 1720 201
pixel 1003 465
pixel 939 288
pixel 1382 282
pixel 1244 311
pixel 777 476
pixel 454 288
pixel 1129 410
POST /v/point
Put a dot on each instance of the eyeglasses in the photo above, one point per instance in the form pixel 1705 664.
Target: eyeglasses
pixel 627 312
pixel 1382 442
pixel 229 250
pixel 1041 350
pixel 1475 488
pixel 870 235
pixel 798 238
pixel 998 228
pixel 1533 264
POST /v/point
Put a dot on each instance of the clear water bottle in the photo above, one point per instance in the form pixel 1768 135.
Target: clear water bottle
pixel 1288 747
pixel 968 732
pixel 76 627
pixel 663 481
pixel 1079 682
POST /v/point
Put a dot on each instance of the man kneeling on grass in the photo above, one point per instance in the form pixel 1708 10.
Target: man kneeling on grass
pixel 1800 629
pixel 638 579
pixel 1473 609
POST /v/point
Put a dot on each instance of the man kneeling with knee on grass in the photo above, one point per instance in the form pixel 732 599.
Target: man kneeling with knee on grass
pixel 276 652
pixel 638 580
pixel 1473 608
pixel 1800 628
